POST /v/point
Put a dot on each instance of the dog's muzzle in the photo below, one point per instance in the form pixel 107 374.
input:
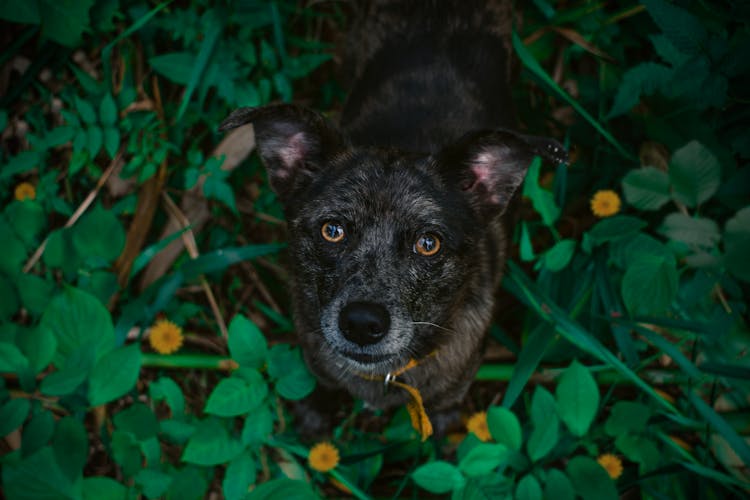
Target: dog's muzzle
pixel 364 323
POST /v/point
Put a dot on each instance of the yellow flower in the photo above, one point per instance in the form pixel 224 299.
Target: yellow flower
pixel 323 457
pixel 611 464
pixel 605 203
pixel 25 191
pixel 477 424
pixel 165 337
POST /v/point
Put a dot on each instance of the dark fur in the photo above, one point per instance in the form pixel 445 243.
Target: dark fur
pixel 425 147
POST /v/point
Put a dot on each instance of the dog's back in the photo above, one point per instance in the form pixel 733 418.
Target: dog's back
pixel 426 72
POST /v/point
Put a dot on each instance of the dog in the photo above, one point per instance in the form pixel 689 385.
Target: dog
pixel 398 217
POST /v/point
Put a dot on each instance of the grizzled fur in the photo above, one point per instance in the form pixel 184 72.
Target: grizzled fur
pixel 425 147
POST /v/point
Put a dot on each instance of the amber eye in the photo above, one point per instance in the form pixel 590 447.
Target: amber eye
pixel 427 244
pixel 333 232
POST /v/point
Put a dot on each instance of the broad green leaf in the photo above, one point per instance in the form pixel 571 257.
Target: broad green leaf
pixel 126 452
pixel 542 336
pixel 78 319
pixel 483 459
pixel 114 374
pixel 111 140
pixel 697 231
pixel 525 247
pixel 13 414
pixel 37 477
pixel 642 79
pixel 58 136
pixel 542 405
pixel 167 389
pixel 737 244
pixel 107 110
pixel 577 397
pixel 695 174
pixel 504 427
pixel 211 445
pixel 616 228
pixel 38 345
pixel 438 477
pixel 239 476
pixel 296 384
pixel 558 257
pixel 650 285
pixel 99 235
pixel 234 396
pixel 11 358
pixel 626 252
pixel 646 188
pixel 35 292
pixel 71 447
pixel 37 432
pixel 188 482
pixel 258 426
pixel 283 359
pixel 627 416
pixel 542 200
pixel 176 66
pixel 247 345
pixel 64 20
pixel 557 486
pixel 153 483
pixel 683 29
pixel 19 12
pixel 67 379
pixel 590 480
pixel 528 489
pixel 640 450
pixel 543 438
pixel 283 488
pixel 137 419
pixel 95 137
pixel 28 218
pixel 102 487
pixel 177 431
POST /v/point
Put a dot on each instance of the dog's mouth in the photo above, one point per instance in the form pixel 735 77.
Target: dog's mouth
pixel 364 358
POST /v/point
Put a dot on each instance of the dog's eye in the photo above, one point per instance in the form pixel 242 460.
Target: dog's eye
pixel 333 232
pixel 427 244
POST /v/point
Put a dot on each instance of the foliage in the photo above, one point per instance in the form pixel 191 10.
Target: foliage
pixel 632 341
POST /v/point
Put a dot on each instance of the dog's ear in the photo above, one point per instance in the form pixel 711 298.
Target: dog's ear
pixel 294 142
pixel 490 165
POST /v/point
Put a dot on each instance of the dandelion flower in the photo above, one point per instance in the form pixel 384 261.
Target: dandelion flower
pixel 611 464
pixel 25 191
pixel 165 337
pixel 605 203
pixel 477 424
pixel 323 457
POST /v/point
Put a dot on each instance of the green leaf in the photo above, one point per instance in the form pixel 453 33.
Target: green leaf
pixel 126 452
pixel 167 389
pixel 616 228
pixel 37 432
pixel 153 483
pixel 99 235
pixel 288 489
pixel 542 200
pixel 19 12
pixel 542 405
pixel 557 486
pixel 107 110
pixel 695 174
pixel 139 420
pixel 625 252
pixel 95 140
pixel 283 359
pixel 577 397
pixel 646 188
pixel 649 285
pixel 102 487
pixel 544 437
pixel 176 431
pixel 114 374
pixel 78 319
pixel 296 384
pixel 531 355
pixel 697 231
pixel 28 219
pixel 627 416
pixel 590 480
pixel 234 396
pixel 683 29
pixel 9 302
pixel 239 476
pixel 247 345
pixel 558 257
pixel 58 136
pixel 64 20
pixel 13 414
pixel 438 477
pixel 175 67
pixel 211 445
pixel 645 78
pixel 66 380
pixel 86 110
pixel 71 447
pixel 640 450
pixel 37 477
pixel 38 345
pixel 111 141
pixel 504 427
pixel 737 244
pixel 737 442
pixel 35 292
pixel 525 247
pixel 258 426
pixel 483 459
pixel 528 489
pixel 11 358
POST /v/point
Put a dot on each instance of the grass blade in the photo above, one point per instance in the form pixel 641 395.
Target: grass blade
pixel 716 421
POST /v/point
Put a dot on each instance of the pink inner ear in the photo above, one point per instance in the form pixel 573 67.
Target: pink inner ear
pixel 292 153
pixel 484 168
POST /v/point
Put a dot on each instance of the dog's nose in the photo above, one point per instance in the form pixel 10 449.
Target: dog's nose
pixel 364 323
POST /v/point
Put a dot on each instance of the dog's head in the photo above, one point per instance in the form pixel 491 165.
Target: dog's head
pixel 389 248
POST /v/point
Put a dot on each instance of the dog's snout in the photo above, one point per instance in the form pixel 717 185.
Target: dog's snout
pixel 364 323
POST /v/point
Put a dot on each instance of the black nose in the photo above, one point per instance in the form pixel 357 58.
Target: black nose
pixel 364 323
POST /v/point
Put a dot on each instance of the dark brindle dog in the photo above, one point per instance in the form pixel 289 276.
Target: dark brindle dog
pixel 397 218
